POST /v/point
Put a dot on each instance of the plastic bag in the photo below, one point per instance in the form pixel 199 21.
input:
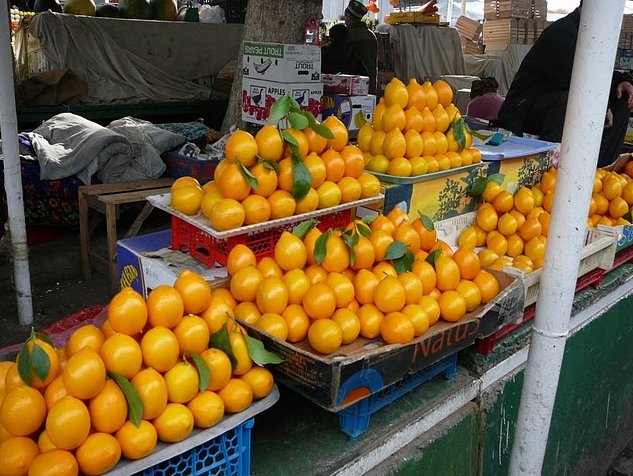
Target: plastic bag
pixel 212 14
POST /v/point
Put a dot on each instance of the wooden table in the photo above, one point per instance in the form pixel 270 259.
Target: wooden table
pixel 104 198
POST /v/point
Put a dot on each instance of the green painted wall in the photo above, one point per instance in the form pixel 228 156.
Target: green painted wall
pixel 436 453
pixel 593 414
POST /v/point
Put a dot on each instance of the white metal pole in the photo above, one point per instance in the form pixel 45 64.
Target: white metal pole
pixel 13 174
pixel 463 7
pixel 589 90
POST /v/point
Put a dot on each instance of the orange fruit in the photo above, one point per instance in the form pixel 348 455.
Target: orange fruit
pixel 390 295
pixel 413 287
pixel 342 287
pixel 548 201
pixel 627 193
pixel 120 353
pixel 336 255
pixel 354 161
pixel 192 334
pixel 207 409
pixel 56 462
pixel 55 391
pixel 98 454
pixel 319 301
pixel 269 268
pixel 22 410
pixel 256 209
pixel 290 252
pixel 431 308
pixel 44 443
pixel 241 146
pixel 86 336
pixel 243 286
pixel 240 352
pixel 137 442
pixel 165 307
pixel 515 245
pixel 377 141
pixel 418 317
pixel 219 367
pixel 612 188
pixel 444 92
pixel 618 207
pixel 426 273
pixel 17 455
pixel 519 217
pixel 285 175
pixel 152 389
pixel 384 269
pixel 53 360
pixel 334 165
pixel 447 273
pixel 364 137
pixel 316 142
pixel 365 255
pixel 396 93
pixel 491 191
pixel 12 379
pixel 524 201
pixel 399 167
pixel 270 145
pixel 417 97
pixel 468 238
pixel 227 214
pixel 535 249
pixel 297 322
pixel 393 118
pixel 272 296
pixel 471 294
pixel 127 312
pixel 187 199
pixel 487 219
pixel 397 328
pixel 370 318
pixel 497 242
pixel 174 424
pixel 467 262
pixel 548 182
pixel 160 348
pixel 236 395
pixel 260 380
pixel 317 169
pixel 232 183
pixel 394 145
pixel 267 179
pixel 507 224
pixel 297 283
pixel 273 324
pixel 530 229
pixel 182 382
pixel 339 130
pixel 195 291
pixel 503 202
pixel 302 140
pixel 407 234
pixel 350 189
pixel 349 323
pixel 365 283
pixel 282 204
pixel 488 285
pixel 85 372
pixel 452 306
pixel 216 314
pixel 68 423
pixel 325 336
pixel 108 409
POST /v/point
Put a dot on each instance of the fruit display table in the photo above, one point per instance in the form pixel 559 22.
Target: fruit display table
pixel 478 409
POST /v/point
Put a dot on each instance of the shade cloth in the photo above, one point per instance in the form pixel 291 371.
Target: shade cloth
pixel 500 64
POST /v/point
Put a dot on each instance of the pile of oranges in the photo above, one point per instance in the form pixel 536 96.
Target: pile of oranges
pixel 147 374
pixel 612 198
pixel 254 183
pixel 413 131
pixel 330 288
pixel 511 228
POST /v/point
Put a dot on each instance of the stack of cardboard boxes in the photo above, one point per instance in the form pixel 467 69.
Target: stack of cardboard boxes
pixel 272 70
pixel 509 22
pixel 347 97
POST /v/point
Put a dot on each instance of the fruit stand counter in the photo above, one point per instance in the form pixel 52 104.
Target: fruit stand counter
pixel 461 425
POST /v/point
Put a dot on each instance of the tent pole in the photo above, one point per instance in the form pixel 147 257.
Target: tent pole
pixel 589 91
pixel 13 174
pixel 463 7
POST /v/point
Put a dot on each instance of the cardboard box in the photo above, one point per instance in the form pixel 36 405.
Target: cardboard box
pixel 347 84
pixel 285 63
pixel 353 111
pixel 365 366
pixel 142 267
pixel 259 95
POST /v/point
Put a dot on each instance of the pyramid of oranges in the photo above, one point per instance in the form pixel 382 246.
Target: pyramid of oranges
pixel 389 278
pixel 256 181
pixel 415 130
pixel 147 374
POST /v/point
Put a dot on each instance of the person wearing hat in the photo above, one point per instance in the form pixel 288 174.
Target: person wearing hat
pixel 362 41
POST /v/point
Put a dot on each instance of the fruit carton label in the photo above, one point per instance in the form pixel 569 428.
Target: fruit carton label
pixel 281 62
pixel 353 111
pixel 258 96
pixel 347 84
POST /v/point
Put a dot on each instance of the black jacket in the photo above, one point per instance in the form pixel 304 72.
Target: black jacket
pixel 364 45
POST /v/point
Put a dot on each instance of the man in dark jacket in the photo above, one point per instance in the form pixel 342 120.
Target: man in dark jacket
pixel 362 41
pixel 537 99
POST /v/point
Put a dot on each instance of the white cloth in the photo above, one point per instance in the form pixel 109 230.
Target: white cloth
pixel 424 51
pixel 93 49
pixel 500 64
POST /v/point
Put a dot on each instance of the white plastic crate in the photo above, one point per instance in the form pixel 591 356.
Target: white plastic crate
pixel 598 252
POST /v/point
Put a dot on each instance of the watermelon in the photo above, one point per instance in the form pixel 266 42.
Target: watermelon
pixel 135 9
pixel 80 7
pixel 108 10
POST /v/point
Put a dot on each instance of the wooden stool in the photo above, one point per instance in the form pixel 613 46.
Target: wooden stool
pixel 104 198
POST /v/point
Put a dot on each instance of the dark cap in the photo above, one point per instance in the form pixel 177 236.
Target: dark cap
pixel 356 9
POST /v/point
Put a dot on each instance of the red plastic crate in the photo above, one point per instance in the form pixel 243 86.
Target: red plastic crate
pixel 210 250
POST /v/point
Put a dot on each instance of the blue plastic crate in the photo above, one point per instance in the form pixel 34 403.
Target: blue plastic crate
pixel 226 454
pixel 354 420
